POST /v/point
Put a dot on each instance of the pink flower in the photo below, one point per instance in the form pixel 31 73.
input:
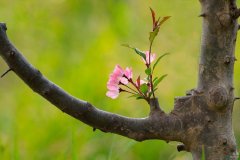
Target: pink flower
pixel 113 82
pixel 117 73
pixel 128 73
pixel 118 77
pixel 152 57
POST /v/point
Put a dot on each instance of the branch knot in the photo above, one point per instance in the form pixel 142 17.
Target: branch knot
pixel 218 98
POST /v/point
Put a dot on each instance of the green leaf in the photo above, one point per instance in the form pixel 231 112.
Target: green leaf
pixel 141 53
pixel 148 71
pixel 153 35
pixel 144 88
pixel 159 58
pixel 128 46
pixel 140 97
pixel 155 79
pixel 135 95
pixel 159 80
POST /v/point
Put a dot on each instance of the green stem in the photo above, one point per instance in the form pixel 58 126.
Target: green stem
pixel 122 90
pixel 146 98
pixel 149 66
pixel 129 88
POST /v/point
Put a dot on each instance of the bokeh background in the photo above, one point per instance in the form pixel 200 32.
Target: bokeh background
pixel 76 44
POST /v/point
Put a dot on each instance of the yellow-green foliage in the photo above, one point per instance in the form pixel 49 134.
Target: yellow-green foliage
pixel 76 44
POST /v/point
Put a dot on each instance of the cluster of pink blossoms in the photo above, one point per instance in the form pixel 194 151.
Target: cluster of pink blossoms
pixel 121 77
pixel 121 80
pixel 118 77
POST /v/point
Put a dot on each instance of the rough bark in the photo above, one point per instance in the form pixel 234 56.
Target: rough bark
pixel 201 120
pixel 216 78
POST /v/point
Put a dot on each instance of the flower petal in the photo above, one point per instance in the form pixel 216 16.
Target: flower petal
pixel 112 87
pixel 116 76
pixel 124 80
pixel 128 73
pixel 153 57
pixel 118 71
pixel 112 94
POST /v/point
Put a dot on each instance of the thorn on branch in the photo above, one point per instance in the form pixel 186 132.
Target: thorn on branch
pixel 202 15
pixel 10 69
pixel 181 147
pixel 236 98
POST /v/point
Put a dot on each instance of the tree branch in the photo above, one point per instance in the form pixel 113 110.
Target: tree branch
pixel 157 126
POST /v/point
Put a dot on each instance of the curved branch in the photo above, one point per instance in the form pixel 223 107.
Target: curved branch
pixel 157 126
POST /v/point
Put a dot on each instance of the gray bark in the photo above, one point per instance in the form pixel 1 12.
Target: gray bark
pixel 201 120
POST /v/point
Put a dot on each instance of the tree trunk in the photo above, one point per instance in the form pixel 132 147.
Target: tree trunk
pixel 201 120
pixel 215 81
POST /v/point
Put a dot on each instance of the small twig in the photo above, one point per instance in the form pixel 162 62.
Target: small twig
pixel 236 98
pixel 10 69
pixel 236 13
pixel 202 15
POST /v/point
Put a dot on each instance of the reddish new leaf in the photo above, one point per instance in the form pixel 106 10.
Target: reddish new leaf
pixel 163 20
pixel 153 18
pixel 138 82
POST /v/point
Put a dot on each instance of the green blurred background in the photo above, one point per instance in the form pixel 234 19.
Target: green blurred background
pixel 76 44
